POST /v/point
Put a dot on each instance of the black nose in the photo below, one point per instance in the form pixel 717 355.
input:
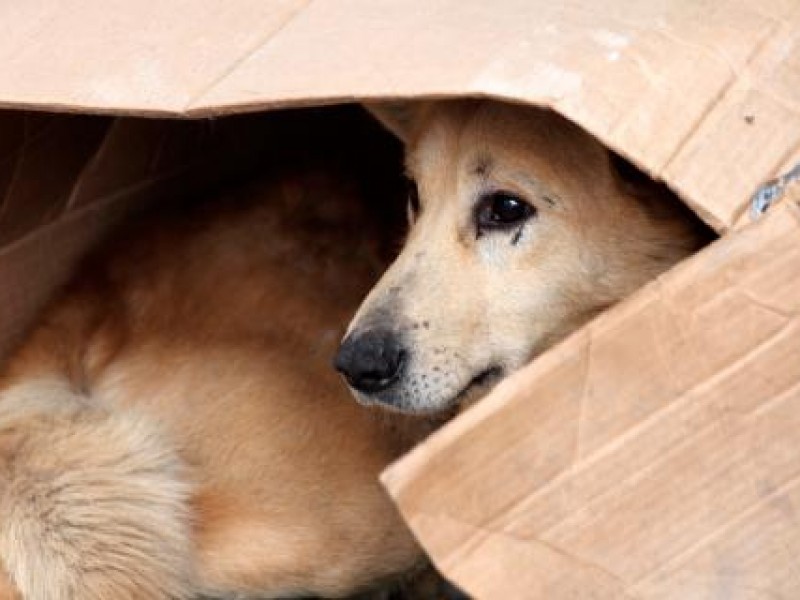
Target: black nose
pixel 370 361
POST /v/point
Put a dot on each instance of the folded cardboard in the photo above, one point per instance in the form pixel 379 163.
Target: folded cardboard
pixel 649 456
pixel 66 180
pixel 701 93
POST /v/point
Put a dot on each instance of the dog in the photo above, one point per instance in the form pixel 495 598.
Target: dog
pixel 523 227
pixel 171 428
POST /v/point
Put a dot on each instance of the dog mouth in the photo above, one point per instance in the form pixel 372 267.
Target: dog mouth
pixel 476 388
pixel 481 383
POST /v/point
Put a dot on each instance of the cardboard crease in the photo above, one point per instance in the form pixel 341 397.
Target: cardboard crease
pixel 257 47
pixel 481 535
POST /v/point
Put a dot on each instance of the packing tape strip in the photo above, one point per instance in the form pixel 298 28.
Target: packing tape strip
pixel 772 191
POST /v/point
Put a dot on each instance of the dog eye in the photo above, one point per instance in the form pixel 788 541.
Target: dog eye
pixel 499 210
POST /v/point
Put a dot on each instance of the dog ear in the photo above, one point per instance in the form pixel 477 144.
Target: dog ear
pixel 399 117
pixel 629 175
pixel 659 201
pixel 655 195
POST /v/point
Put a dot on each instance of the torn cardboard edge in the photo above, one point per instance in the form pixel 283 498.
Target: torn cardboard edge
pixel 783 187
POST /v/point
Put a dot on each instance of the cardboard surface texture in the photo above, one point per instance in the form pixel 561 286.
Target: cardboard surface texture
pixel 651 455
pixel 686 88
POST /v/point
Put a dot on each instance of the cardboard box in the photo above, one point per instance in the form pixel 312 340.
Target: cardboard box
pixel 650 455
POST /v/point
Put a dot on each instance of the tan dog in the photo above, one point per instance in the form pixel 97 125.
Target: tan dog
pixel 522 231
pixel 172 427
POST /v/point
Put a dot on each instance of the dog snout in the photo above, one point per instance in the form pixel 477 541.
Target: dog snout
pixel 371 361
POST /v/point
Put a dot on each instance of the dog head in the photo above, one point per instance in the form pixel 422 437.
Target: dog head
pixel 521 230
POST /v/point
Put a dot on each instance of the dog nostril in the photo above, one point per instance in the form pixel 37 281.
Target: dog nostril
pixel 371 361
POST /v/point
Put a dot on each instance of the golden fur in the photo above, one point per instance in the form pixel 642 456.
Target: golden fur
pixel 469 306
pixel 172 427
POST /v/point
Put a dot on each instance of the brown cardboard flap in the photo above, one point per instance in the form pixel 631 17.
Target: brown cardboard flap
pixel 703 94
pixel 651 455
pixel 65 180
pixel 141 56
pixel 46 156
pixel 51 165
pixel 33 267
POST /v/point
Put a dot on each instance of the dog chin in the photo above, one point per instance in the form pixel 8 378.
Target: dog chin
pixel 395 401
pixel 386 402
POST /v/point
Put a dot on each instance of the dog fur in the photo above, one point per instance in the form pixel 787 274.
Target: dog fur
pixel 467 305
pixel 172 426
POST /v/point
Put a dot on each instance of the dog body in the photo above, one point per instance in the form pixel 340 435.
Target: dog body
pixel 173 428
pixel 522 231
